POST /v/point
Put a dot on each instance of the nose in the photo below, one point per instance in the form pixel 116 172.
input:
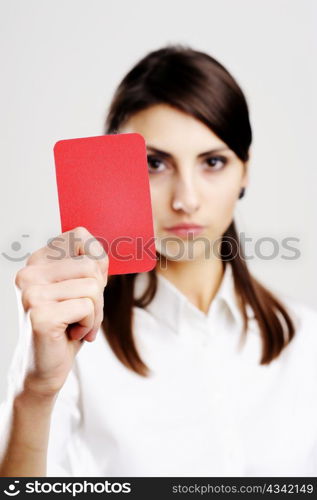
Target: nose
pixel 185 196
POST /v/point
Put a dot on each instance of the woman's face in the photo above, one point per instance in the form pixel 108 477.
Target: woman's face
pixel 194 179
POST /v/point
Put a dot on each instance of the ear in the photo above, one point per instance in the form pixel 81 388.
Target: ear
pixel 245 176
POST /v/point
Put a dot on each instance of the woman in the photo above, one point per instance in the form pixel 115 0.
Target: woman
pixel 198 368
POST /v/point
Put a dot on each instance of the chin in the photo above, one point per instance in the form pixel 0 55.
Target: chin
pixel 182 252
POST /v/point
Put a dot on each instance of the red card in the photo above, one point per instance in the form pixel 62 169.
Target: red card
pixel 103 185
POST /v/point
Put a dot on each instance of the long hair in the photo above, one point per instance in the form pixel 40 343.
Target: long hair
pixel 196 83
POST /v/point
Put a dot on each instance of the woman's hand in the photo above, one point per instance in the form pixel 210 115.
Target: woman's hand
pixel 62 287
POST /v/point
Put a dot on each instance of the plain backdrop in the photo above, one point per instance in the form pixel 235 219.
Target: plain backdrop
pixel 61 61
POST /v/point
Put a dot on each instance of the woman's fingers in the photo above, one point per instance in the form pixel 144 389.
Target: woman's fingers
pixel 34 295
pixel 76 242
pixel 66 269
pixel 62 288
pixel 51 319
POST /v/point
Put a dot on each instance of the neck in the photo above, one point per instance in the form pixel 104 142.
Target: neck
pixel 198 280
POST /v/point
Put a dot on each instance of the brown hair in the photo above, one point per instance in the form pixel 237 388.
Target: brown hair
pixel 193 82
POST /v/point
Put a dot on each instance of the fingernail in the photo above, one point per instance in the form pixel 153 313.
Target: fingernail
pixel 92 335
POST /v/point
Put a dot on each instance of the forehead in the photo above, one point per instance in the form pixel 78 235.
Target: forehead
pixel 167 128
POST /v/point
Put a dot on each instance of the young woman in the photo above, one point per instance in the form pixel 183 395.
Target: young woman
pixel 191 369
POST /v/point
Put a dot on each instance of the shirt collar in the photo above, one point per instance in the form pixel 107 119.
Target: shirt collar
pixel 172 307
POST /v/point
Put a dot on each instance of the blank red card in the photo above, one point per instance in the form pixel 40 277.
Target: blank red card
pixel 103 185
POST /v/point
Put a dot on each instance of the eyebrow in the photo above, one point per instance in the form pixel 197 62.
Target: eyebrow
pixel 169 155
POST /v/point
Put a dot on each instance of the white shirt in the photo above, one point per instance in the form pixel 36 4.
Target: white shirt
pixel 208 409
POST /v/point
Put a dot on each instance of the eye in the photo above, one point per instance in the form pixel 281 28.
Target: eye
pixel 216 162
pixel 154 164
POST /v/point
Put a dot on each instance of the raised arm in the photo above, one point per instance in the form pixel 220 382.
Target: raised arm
pixel 62 288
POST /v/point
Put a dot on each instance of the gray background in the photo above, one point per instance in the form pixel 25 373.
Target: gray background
pixel 61 62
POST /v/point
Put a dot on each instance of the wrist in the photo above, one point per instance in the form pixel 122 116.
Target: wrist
pixel 40 388
pixel 35 395
pixel 27 403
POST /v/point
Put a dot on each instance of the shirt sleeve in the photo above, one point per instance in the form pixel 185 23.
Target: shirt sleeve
pixel 66 451
pixel 20 362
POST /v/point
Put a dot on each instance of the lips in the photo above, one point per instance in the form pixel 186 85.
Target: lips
pixel 185 229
